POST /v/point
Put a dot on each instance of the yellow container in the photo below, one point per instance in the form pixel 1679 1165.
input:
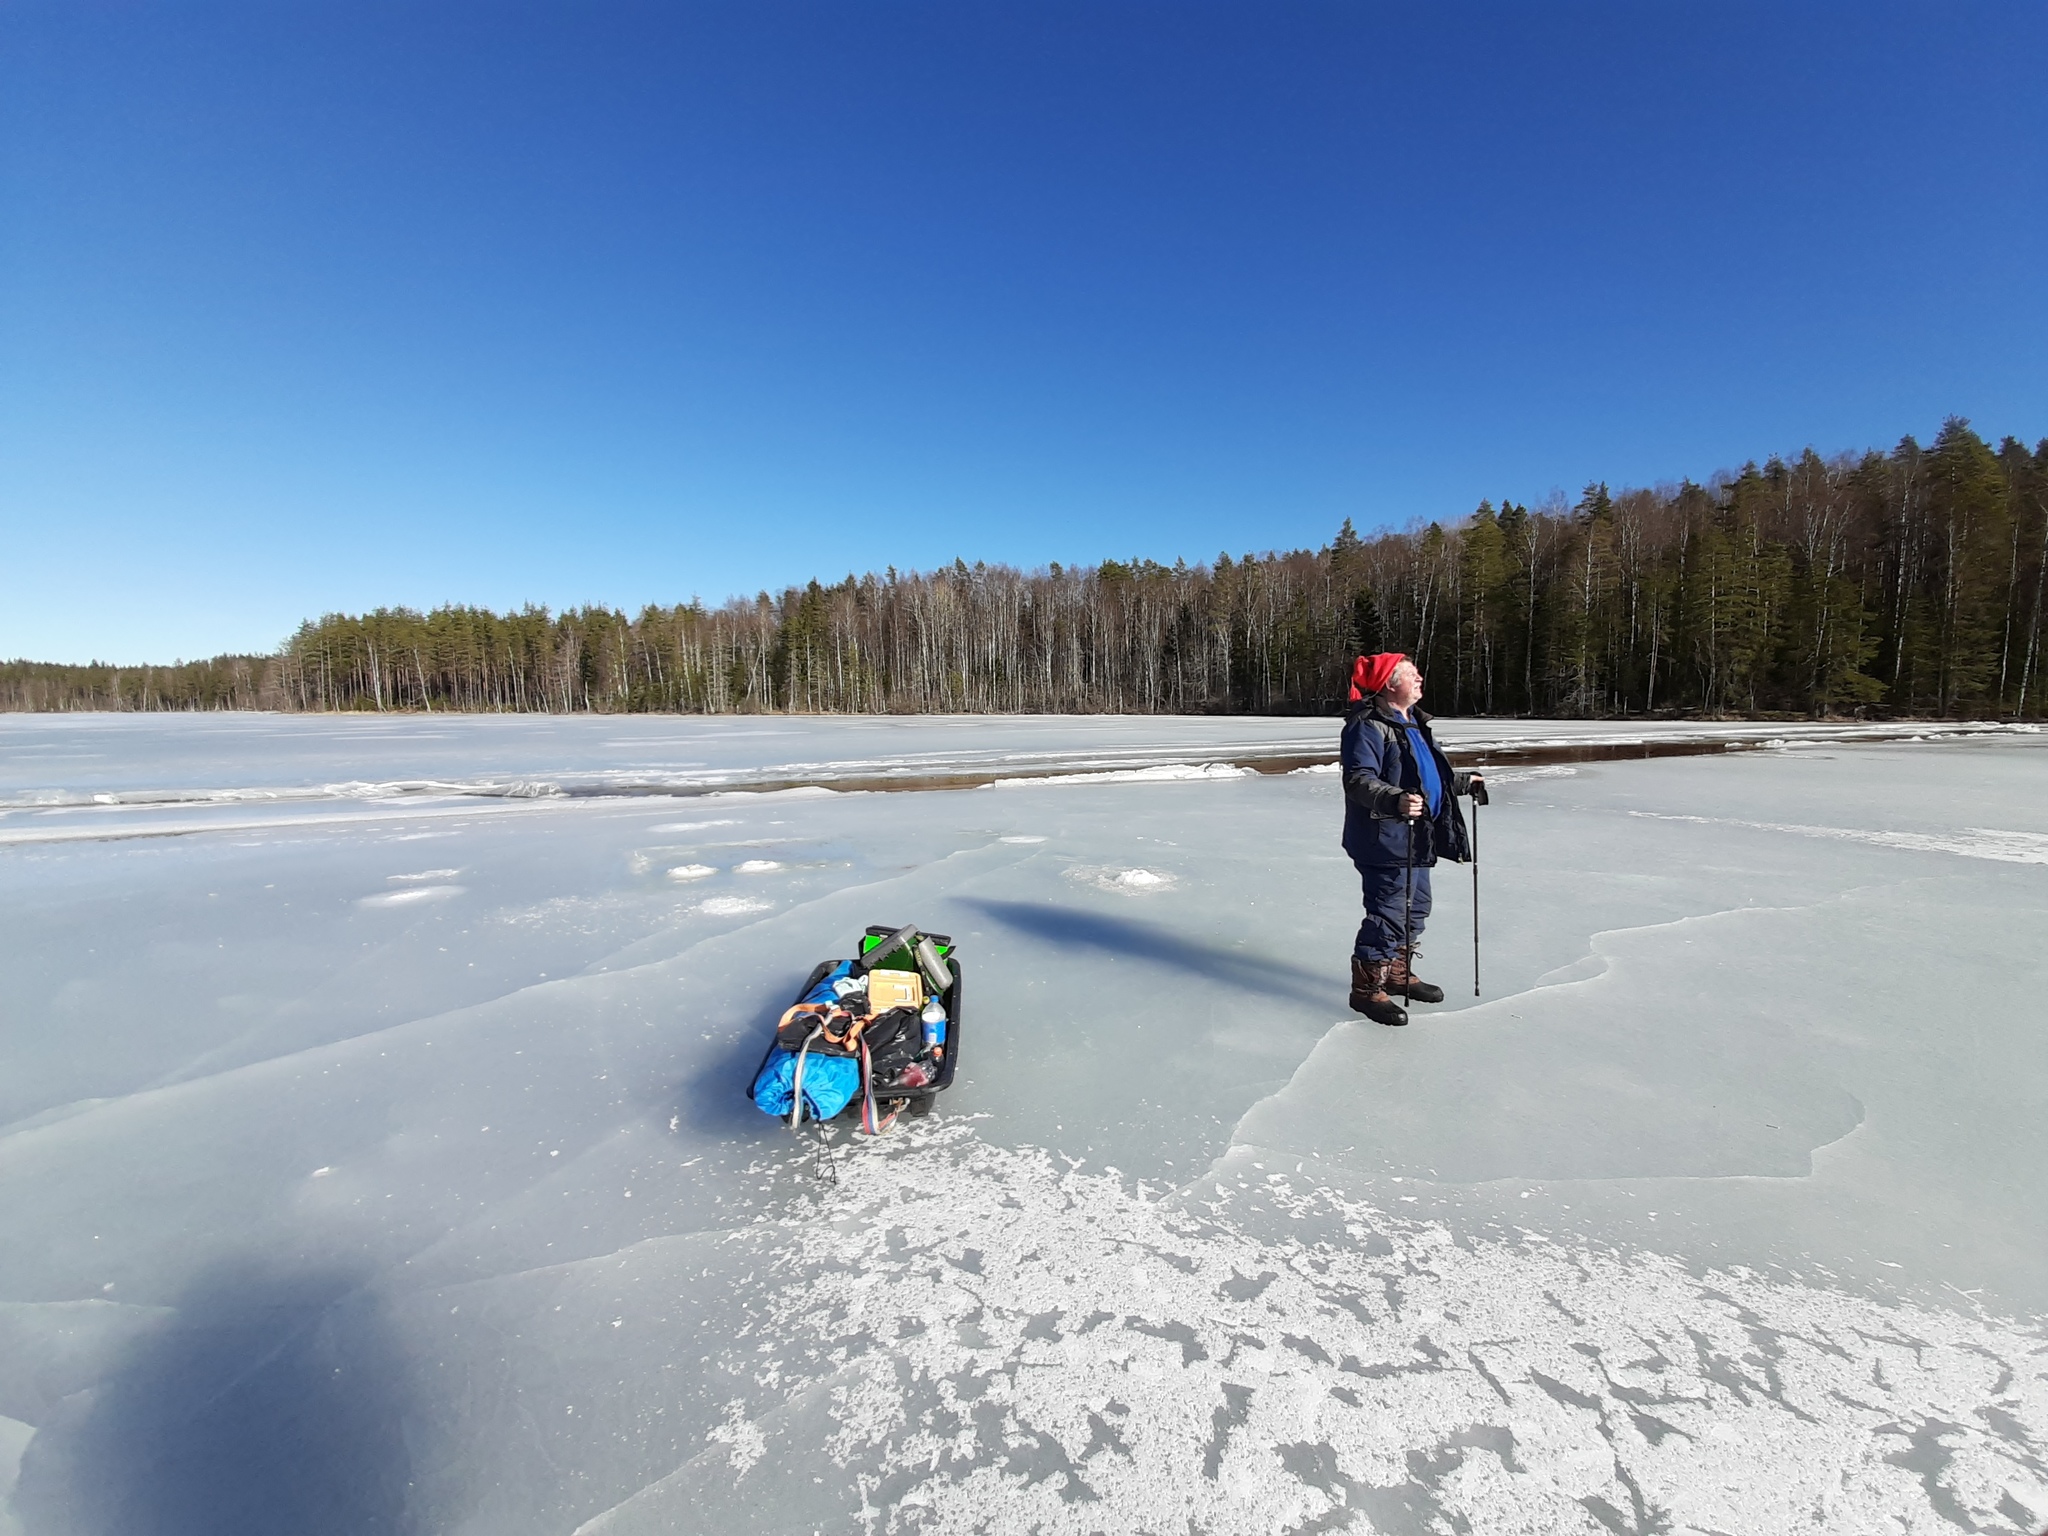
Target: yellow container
pixel 894 989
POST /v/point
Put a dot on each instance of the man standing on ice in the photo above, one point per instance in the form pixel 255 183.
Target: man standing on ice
pixel 1400 816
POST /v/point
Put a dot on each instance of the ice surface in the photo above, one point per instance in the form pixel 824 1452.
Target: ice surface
pixel 377 1159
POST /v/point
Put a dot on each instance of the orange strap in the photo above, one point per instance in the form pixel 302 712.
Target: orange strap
pixel 842 1029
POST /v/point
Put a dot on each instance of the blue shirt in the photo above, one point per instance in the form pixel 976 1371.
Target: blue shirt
pixel 1425 765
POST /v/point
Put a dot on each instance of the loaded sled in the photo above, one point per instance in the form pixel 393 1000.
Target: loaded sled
pixel 871 1037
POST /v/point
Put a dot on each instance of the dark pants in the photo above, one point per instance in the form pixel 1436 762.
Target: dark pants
pixel 1387 903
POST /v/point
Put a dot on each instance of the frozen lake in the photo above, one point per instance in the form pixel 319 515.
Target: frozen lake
pixel 374 1155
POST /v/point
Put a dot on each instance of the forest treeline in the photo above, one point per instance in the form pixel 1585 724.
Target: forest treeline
pixel 1908 582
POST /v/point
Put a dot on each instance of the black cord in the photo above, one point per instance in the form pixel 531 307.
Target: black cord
pixel 828 1165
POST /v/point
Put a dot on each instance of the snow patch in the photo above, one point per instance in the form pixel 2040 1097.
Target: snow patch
pixel 756 867
pixel 1517 775
pixel 1165 773
pixel 732 906
pixel 427 874
pixel 691 872
pixel 2005 846
pixel 1187 1371
pixel 1124 881
pixel 743 1440
pixel 414 896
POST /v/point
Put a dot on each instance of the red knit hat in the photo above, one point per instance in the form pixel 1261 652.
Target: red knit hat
pixel 1369 674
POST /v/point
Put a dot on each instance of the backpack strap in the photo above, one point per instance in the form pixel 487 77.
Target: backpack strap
pixel 834 1028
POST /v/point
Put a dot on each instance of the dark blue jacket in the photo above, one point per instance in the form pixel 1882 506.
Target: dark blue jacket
pixel 1378 769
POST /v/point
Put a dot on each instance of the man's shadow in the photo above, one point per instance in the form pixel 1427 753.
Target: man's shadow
pixel 1076 930
pixel 267 1404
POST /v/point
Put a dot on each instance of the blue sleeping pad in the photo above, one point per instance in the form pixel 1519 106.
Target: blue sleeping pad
pixel 830 1083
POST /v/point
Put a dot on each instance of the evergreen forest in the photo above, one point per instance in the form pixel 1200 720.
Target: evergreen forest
pixel 1900 583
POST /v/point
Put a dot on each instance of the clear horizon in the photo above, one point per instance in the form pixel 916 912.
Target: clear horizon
pixel 330 309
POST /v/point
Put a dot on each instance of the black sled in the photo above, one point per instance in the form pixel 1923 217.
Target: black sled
pixel 890 948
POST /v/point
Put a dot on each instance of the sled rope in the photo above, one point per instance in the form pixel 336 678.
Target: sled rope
pixel 871 1121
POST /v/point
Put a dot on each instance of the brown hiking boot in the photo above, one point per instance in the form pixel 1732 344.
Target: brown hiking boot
pixel 1369 992
pixel 1405 983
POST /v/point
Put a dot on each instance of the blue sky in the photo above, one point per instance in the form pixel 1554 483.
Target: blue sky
pixel 326 306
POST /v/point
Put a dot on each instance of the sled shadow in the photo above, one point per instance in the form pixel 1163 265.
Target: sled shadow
pixel 1073 928
pixel 716 1100
pixel 267 1403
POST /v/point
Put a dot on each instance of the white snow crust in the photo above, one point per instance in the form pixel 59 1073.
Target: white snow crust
pixel 1012 1345
pixel 375 1154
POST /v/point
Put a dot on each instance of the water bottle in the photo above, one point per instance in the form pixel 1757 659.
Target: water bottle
pixel 936 971
pixel 934 1017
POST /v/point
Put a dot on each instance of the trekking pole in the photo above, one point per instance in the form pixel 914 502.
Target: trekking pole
pixel 1476 803
pixel 1408 911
